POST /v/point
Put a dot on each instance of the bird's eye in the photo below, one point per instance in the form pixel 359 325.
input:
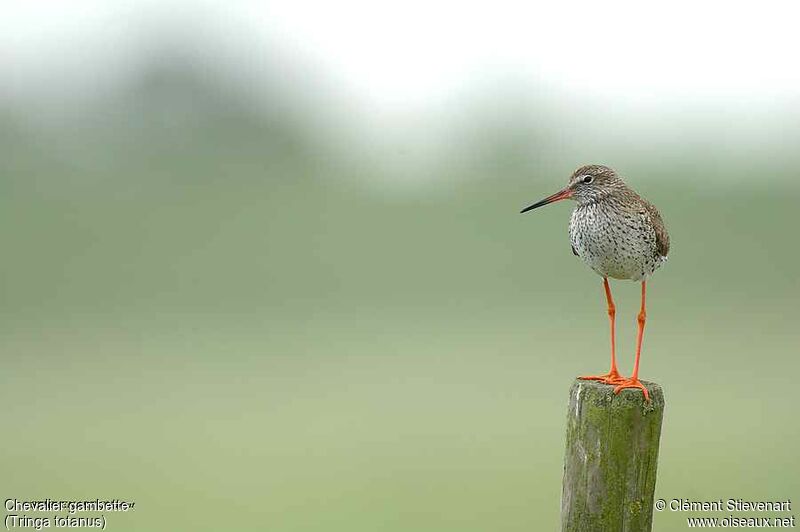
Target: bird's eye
pixel 587 179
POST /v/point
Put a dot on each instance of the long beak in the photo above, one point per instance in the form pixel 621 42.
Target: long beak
pixel 561 194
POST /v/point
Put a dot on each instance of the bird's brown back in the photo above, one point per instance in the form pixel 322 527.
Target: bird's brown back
pixel 662 237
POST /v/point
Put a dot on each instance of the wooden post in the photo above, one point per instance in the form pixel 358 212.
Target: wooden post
pixel 611 458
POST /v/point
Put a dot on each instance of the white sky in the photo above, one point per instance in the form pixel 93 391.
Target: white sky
pixel 398 70
pixel 417 51
pixel 659 48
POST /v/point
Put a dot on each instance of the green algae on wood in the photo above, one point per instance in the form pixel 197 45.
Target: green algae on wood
pixel 611 458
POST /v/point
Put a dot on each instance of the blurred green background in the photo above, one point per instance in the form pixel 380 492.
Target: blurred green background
pixel 262 305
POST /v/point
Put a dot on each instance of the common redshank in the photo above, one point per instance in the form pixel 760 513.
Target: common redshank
pixel 618 234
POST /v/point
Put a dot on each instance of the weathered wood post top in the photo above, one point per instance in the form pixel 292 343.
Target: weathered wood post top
pixel 611 458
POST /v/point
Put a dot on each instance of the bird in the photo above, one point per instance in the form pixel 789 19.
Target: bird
pixel 619 235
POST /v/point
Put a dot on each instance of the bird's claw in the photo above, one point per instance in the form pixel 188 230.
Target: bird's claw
pixel 612 377
pixel 632 383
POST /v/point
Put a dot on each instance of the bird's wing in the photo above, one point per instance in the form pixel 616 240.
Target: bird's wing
pixel 573 250
pixel 662 237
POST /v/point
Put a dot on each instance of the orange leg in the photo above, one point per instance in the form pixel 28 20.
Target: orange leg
pixel 634 381
pixel 613 376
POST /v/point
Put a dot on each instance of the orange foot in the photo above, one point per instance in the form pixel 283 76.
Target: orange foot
pixel 612 377
pixel 632 383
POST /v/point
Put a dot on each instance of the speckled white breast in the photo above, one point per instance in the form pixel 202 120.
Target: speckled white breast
pixel 614 241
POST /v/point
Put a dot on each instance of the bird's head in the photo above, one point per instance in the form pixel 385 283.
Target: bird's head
pixel 587 184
